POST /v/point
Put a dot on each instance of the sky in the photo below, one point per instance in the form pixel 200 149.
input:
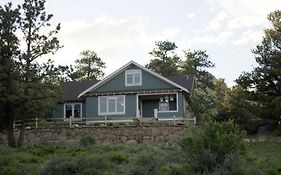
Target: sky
pixel 124 30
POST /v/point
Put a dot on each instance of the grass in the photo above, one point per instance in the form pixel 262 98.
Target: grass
pixel 165 158
pixel 267 156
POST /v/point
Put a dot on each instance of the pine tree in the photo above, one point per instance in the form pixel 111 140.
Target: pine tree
pixel 264 82
pixel 166 62
pixel 8 77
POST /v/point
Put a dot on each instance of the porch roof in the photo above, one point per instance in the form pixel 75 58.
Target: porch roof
pixel 142 91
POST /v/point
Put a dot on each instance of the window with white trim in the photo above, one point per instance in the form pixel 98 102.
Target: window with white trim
pixel 111 105
pixel 73 109
pixel 168 103
pixel 133 77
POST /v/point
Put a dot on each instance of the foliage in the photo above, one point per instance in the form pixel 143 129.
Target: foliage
pixel 236 164
pixel 263 83
pixel 164 159
pixel 267 155
pixel 88 67
pixel 195 63
pixel 27 82
pixel 9 49
pixel 208 148
pixel 87 140
pixel 204 101
pixel 166 62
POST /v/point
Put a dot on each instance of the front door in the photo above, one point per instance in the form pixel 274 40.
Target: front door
pixel 148 107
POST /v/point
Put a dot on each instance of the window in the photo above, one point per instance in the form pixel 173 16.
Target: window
pixel 163 106
pixel 111 105
pixel 168 103
pixel 73 109
pixel 133 78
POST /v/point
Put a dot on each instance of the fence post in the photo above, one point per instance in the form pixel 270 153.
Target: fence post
pixel 14 125
pixel 195 121
pixel 36 122
pixel 70 121
pixel 105 122
pixel 174 119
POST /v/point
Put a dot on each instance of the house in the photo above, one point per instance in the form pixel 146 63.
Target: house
pixel 129 92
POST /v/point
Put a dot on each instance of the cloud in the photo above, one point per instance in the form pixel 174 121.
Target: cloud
pixel 112 38
pixel 246 13
pixel 216 23
pixel 190 15
pixel 217 40
pixel 248 36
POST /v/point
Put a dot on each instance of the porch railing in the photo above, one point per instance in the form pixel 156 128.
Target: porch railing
pixel 103 121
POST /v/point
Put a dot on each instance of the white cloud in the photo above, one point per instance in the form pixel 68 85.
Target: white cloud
pixel 190 15
pixel 246 13
pixel 112 39
pixel 245 21
pixel 218 40
pixel 216 23
pixel 248 36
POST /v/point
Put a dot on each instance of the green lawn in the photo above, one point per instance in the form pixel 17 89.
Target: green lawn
pixel 164 159
pixel 267 156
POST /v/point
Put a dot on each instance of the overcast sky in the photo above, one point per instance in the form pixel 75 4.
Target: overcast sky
pixel 123 30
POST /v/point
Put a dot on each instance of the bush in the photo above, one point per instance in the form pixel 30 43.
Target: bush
pixel 61 165
pixel 146 163
pixel 236 164
pixel 87 141
pixel 209 147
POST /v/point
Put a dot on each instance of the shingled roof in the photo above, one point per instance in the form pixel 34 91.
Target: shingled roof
pixel 72 89
pixel 187 81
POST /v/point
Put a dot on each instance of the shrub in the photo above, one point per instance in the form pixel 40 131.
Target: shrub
pixel 61 165
pixel 146 163
pixel 236 164
pixel 209 147
pixel 119 158
pixel 97 165
pixel 87 140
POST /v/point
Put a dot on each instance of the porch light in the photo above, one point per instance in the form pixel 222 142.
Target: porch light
pixel 166 99
pixel 161 99
pixel 171 98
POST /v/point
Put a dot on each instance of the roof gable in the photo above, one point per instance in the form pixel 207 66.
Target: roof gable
pixel 122 69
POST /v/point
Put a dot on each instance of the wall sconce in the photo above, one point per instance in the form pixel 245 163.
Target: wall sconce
pixel 166 99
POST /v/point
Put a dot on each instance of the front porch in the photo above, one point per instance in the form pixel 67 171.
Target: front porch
pixel 159 105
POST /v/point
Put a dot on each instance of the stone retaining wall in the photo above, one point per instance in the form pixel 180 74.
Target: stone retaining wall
pixel 120 134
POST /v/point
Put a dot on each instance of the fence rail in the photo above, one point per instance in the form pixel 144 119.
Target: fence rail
pixel 102 121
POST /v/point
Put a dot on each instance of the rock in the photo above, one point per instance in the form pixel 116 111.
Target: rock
pixel 132 142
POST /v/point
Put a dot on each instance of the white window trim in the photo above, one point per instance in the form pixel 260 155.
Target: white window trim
pixel 72 104
pixel 111 113
pixel 177 104
pixel 133 71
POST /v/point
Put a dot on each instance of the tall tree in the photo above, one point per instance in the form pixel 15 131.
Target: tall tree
pixel 196 63
pixel 8 51
pixel 166 62
pixel 88 67
pixel 38 94
pixel 263 83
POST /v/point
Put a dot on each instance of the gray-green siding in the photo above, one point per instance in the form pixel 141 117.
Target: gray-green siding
pixel 149 81
pixel 57 111
pixel 130 108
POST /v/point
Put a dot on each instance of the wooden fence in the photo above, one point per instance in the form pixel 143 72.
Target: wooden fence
pixel 103 121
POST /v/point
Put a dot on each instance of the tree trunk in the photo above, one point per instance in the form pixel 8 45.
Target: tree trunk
pixel 10 132
pixel 22 132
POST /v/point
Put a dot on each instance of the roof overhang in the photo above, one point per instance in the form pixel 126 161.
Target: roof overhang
pixel 117 72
